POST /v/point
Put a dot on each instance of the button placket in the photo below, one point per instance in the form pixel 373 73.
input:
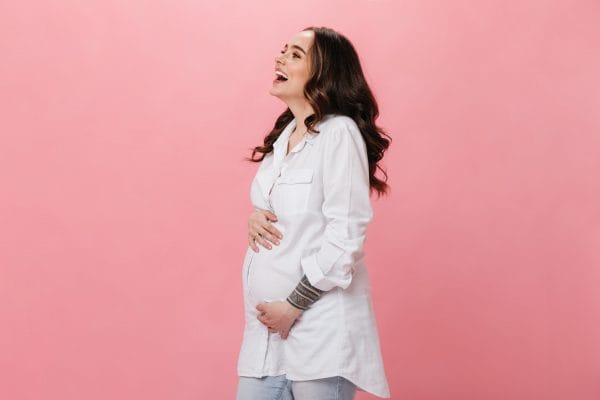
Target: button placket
pixel 281 160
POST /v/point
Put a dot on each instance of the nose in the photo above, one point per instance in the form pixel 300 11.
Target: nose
pixel 278 59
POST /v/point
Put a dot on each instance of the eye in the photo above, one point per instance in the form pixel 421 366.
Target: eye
pixel 296 55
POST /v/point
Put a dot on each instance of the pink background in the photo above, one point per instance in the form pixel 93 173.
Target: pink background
pixel 124 197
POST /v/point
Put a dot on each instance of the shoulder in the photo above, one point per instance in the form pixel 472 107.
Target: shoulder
pixel 338 122
pixel 341 136
pixel 338 127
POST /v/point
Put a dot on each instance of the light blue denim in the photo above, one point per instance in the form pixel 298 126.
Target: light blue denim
pixel 281 388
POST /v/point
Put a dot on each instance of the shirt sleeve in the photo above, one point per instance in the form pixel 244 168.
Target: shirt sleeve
pixel 346 207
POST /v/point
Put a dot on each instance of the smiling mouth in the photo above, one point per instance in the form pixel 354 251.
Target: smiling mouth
pixel 280 77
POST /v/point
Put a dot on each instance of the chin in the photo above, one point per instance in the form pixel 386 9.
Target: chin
pixel 275 94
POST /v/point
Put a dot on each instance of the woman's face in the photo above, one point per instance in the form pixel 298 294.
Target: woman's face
pixel 294 63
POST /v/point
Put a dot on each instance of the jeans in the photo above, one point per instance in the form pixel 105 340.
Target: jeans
pixel 280 388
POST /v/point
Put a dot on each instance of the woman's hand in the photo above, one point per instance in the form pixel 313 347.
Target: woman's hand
pixel 278 316
pixel 260 229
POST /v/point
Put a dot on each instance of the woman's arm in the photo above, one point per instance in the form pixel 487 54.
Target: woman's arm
pixel 304 295
pixel 347 208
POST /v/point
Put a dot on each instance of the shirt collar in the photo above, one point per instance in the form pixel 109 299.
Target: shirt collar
pixel 282 140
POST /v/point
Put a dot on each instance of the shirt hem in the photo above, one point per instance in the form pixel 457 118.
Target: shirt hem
pixel 384 394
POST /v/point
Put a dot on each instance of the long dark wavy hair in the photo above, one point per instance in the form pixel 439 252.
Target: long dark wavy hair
pixel 337 86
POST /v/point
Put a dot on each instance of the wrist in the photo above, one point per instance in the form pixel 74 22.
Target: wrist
pixel 293 309
pixel 304 294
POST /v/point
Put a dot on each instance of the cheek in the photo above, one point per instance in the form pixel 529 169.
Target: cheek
pixel 301 75
pixel 300 79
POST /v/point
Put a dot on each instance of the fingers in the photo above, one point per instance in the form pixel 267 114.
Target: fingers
pixel 270 216
pixel 272 231
pixel 273 328
pixel 269 227
pixel 260 240
pixel 268 236
pixel 261 231
pixel 264 318
pixel 267 322
pixel 252 243
pixel 255 238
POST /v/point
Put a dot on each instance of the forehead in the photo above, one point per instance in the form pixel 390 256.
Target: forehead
pixel 303 39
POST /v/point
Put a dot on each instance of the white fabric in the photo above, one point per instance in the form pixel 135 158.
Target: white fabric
pixel 320 195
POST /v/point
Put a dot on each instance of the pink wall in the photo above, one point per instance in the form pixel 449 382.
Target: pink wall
pixel 124 197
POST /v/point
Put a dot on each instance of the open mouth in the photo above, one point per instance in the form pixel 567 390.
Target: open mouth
pixel 280 77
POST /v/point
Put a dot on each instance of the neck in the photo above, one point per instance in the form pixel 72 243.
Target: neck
pixel 301 110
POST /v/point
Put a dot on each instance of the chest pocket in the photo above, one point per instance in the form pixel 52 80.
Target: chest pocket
pixel 291 191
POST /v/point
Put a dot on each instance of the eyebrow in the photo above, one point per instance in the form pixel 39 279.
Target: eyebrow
pixel 297 47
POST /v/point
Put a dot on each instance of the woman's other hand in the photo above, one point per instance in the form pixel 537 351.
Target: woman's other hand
pixel 261 231
pixel 278 316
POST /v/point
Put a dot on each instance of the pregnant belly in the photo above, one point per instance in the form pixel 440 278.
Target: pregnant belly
pixel 271 278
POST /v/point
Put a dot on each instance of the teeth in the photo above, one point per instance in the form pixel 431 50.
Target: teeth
pixel 281 74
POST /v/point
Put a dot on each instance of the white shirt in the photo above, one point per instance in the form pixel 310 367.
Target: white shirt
pixel 320 195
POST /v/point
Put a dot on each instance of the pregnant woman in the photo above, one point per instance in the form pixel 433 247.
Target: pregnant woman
pixel 310 332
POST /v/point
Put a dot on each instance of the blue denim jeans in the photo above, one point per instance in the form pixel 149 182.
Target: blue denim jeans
pixel 280 388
